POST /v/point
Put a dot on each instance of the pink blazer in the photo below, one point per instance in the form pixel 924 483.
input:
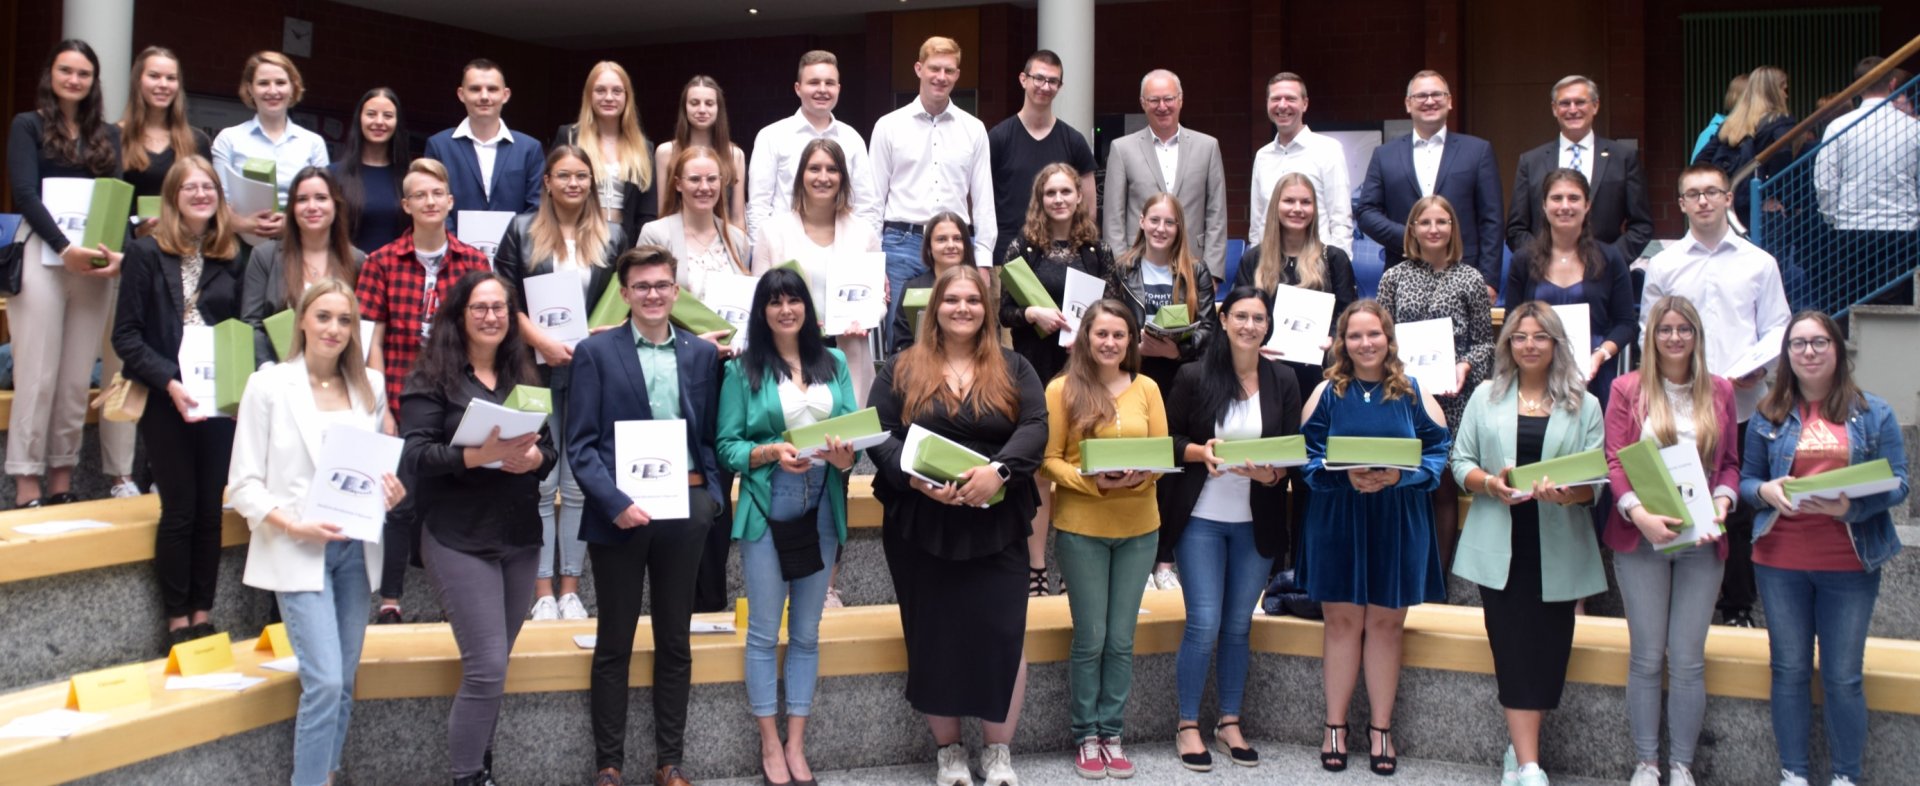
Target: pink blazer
pixel 1623 429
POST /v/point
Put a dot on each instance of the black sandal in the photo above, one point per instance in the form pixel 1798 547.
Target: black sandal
pixel 1381 763
pixel 1245 757
pixel 1334 760
pixel 1036 582
pixel 1198 762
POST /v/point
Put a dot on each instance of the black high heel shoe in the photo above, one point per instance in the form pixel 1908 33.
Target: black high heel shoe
pixel 1381 763
pixel 1245 757
pixel 1334 760
pixel 1198 762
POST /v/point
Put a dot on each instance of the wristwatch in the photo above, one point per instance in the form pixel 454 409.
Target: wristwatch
pixel 1001 470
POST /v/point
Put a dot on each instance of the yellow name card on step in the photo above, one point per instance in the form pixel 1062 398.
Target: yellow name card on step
pixel 99 691
pixel 273 639
pixel 201 656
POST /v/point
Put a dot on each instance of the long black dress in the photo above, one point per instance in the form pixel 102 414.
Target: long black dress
pixel 960 573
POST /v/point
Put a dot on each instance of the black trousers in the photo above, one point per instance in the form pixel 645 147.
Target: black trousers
pixel 710 587
pixel 1737 591
pixel 669 553
pixel 400 536
pixel 190 473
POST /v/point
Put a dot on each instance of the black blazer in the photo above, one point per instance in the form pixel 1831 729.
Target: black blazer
pixel 642 205
pixel 511 260
pixel 612 388
pixel 1618 212
pixel 1339 277
pixel 148 322
pixel 1467 177
pixel 1613 308
pixel 1279 416
pixel 1731 158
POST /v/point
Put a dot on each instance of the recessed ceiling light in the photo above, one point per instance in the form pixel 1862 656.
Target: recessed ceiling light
pixel 753 10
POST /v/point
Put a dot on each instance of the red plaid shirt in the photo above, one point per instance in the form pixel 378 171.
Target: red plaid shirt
pixel 393 293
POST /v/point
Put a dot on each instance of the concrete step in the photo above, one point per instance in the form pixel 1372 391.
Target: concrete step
pixel 1156 763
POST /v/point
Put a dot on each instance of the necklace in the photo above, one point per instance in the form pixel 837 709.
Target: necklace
pixel 1535 405
pixel 960 381
pixel 1365 394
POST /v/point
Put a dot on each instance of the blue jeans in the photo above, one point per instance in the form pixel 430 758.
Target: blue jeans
pixel 789 496
pixel 1832 607
pixel 1221 577
pixel 903 263
pixel 326 629
pixel 573 503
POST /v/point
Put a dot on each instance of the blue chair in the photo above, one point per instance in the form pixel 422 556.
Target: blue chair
pixel 1235 249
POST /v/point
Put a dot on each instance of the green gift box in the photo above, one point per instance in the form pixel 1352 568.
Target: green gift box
pixel 1025 288
pixel 232 363
pixel 107 216
pixel 1172 316
pixel 692 315
pixel 1653 483
pixel 149 207
pixel 1119 454
pixel 793 265
pixel 529 398
pixel 610 310
pixel 1402 452
pixel 945 460
pixel 280 333
pixel 1575 469
pixel 262 170
pixel 913 303
pixel 1875 471
pixel 1288 451
pixel 850 427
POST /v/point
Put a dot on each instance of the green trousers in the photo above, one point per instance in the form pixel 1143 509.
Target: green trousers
pixel 1105 579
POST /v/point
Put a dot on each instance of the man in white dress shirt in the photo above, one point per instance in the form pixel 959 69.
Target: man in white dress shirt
pixel 1166 156
pixel 1296 148
pixel 1736 288
pixel 930 156
pixel 1868 181
pixel 776 149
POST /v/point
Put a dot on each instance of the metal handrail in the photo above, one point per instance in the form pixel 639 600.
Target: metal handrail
pixel 1859 86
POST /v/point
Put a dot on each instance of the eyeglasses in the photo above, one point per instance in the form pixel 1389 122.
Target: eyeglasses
pixel 700 180
pixel 572 177
pixel 1044 81
pixel 1434 223
pixel 487 309
pixel 1160 100
pixel 1573 103
pixel 1819 345
pixel 199 188
pixel 1524 339
pixel 1673 331
pixel 1247 318
pixel 1710 194
pixel 647 287
pixel 428 196
pixel 1421 98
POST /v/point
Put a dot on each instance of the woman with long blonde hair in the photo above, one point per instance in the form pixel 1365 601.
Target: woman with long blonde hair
pixel 695 227
pixel 1669 597
pixel 1758 119
pixel 607 128
pixel 702 121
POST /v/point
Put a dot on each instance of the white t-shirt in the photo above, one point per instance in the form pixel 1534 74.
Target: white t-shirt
pixel 1225 498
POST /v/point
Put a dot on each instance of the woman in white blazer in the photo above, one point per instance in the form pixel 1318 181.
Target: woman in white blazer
pixel 694 226
pixel 322 580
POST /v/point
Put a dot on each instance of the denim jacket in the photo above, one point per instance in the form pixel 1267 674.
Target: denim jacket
pixel 1872 433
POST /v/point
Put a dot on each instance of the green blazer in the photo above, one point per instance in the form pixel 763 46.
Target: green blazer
pixel 1569 554
pixel 749 419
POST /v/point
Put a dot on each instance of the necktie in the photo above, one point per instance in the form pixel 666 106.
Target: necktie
pixel 1576 157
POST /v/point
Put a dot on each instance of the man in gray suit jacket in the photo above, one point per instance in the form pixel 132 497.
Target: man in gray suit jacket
pixel 1166 157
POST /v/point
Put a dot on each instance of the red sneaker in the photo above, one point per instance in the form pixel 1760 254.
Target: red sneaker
pixel 1117 764
pixel 1088 760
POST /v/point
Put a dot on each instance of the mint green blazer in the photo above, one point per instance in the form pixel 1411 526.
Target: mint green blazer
pixel 749 419
pixel 1569 553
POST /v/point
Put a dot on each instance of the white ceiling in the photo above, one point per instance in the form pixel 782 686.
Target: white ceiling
pixel 592 24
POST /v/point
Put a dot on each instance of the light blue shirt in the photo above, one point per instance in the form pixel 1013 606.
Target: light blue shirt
pixel 661 367
pixel 297 149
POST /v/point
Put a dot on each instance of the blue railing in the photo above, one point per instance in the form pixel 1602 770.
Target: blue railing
pixel 1843 218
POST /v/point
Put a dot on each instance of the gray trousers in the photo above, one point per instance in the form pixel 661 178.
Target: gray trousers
pixel 486 599
pixel 1669 600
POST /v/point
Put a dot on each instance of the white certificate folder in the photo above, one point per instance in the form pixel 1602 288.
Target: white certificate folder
pixel 650 466
pixel 349 487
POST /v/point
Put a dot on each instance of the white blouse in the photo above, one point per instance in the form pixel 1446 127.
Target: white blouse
pixel 1225 498
pixel 805 408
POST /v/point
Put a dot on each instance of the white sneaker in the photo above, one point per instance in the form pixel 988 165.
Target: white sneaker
pixel 1165 579
pixel 1530 775
pixel 1787 778
pixel 1841 780
pixel 997 761
pixel 570 607
pixel 952 766
pixel 545 609
pixel 1150 585
pixel 1678 776
pixel 1645 774
pixel 1510 769
pixel 124 489
pixel 833 599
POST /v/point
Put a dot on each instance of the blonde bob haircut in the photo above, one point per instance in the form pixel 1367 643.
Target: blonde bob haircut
pixel 260 58
pixel 1410 242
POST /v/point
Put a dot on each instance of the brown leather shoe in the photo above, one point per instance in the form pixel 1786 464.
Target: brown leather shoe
pixel 670 775
pixel 608 777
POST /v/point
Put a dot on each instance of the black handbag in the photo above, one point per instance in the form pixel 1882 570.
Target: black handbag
pixel 13 252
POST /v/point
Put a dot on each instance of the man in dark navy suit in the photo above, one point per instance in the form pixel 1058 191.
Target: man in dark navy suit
pixel 643 370
pixel 1433 160
pixel 489 166
pixel 1617 212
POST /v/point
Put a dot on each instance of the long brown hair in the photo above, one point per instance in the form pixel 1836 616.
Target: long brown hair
pixel 589 230
pixel 1089 403
pixel 339 245
pixel 171 232
pixel 133 121
pixel 353 364
pixel 636 162
pixel 1311 265
pixel 1035 231
pixel 681 158
pixel 721 140
pixel 1842 396
pixel 1655 412
pixel 842 199
pixel 918 376
pixel 89 147
pixel 1185 288
pixel 1592 264
pixel 1340 371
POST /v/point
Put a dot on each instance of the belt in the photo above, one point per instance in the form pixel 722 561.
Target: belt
pixel 695 479
pixel 915 229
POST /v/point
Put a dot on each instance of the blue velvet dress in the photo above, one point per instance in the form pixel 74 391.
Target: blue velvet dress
pixel 1376 549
